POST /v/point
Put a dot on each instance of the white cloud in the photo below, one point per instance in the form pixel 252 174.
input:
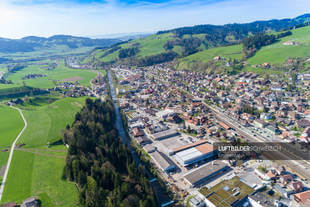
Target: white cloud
pixel 23 18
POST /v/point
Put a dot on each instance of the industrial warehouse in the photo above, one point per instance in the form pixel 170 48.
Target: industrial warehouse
pixel 163 162
pixel 206 173
pixel 194 154
pixel 165 134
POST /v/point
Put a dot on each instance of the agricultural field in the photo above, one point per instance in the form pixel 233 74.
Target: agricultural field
pixel 60 74
pixel 10 125
pixel 36 169
pixel 279 53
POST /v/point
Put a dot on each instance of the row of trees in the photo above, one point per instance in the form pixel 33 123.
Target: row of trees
pixel 100 164
pixel 110 51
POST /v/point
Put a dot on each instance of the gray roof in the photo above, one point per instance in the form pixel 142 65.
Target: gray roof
pixel 262 199
pixel 164 134
pixel 162 161
pixel 149 148
pixel 205 171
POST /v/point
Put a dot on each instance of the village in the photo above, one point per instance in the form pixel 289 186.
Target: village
pixel 176 117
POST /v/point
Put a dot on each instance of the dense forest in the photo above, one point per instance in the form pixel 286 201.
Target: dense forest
pixel 128 52
pixel 189 45
pixel 155 59
pixel 100 164
pixel 240 31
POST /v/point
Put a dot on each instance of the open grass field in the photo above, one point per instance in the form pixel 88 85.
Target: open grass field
pixel 60 74
pixel 10 125
pixel 36 169
pixel 148 46
pixel 46 122
pixel 153 44
pixel 279 53
pixel 233 52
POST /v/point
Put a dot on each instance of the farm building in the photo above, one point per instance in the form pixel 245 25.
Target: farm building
pixel 195 154
pixel 162 162
pixel 165 134
pixel 205 173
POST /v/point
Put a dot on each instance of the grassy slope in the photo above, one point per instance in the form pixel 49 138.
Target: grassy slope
pixel 9 131
pixel 151 45
pixel 59 74
pixel 233 52
pixel 45 123
pixel 279 53
pixel 36 170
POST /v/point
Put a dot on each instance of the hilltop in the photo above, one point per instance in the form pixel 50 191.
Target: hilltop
pixel 187 44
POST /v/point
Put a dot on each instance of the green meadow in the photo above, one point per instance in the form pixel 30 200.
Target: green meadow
pixel 45 122
pixel 233 52
pixel 11 124
pixel 150 45
pixel 279 53
pixel 153 44
pixel 60 74
pixel 36 169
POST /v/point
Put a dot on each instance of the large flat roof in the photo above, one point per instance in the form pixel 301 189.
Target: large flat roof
pixel 167 133
pixel 194 153
pixel 187 146
pixel 205 148
pixel 204 171
pixel 162 161
pixel 228 192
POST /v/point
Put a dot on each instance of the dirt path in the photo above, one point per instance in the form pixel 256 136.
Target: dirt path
pixel 12 151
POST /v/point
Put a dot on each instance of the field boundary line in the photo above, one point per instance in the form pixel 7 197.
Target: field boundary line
pixel 12 151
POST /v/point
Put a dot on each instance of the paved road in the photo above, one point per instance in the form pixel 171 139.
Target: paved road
pixel 12 151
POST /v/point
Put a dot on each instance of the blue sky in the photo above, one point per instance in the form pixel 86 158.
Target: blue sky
pixel 95 18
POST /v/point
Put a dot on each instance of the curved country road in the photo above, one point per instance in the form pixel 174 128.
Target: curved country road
pixel 11 152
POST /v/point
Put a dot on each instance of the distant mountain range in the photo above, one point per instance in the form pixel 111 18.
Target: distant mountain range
pixel 33 43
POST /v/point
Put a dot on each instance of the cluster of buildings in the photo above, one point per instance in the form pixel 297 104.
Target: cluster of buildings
pixel 173 116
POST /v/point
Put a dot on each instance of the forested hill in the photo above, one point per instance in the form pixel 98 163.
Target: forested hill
pixel 100 164
pixel 186 41
pixel 33 43
pixel 229 32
